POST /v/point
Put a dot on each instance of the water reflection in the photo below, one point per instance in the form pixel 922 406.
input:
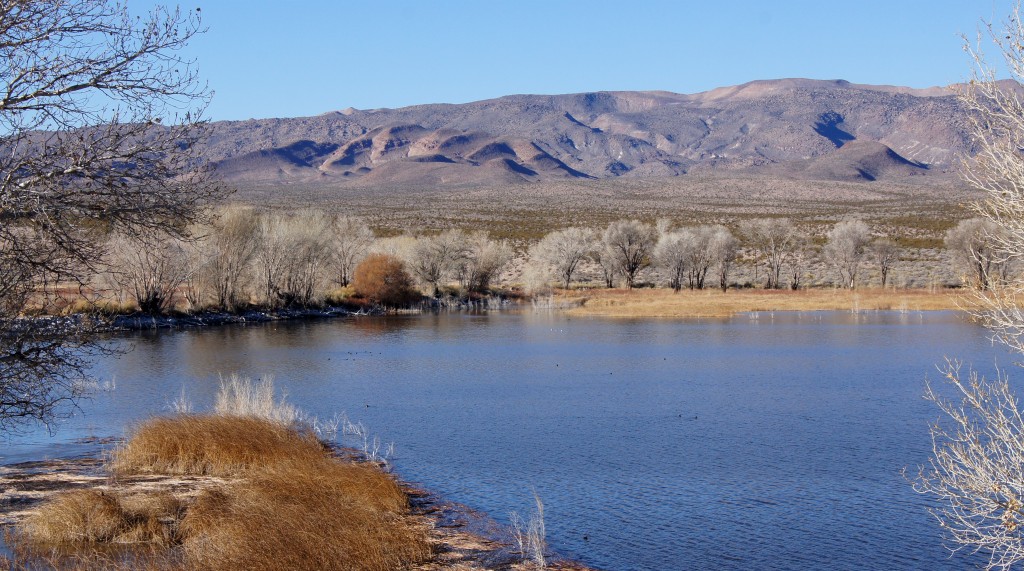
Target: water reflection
pixel 765 441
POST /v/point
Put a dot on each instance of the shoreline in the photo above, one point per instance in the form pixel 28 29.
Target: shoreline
pixel 464 539
pixel 639 303
pixel 142 321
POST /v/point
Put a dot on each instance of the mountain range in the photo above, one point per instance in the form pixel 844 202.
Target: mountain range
pixel 789 128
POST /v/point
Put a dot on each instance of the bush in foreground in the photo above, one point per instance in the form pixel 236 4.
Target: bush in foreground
pixel 291 504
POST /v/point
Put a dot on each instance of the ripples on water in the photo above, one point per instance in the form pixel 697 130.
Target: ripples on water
pixel 774 443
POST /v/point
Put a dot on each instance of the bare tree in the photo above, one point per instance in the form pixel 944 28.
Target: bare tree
pixel 977 466
pixel 352 240
pixel 846 247
pixel 800 257
pixel 629 244
pixel 885 253
pixel 536 279
pixel 293 256
pixel 686 252
pixel 400 247
pixel 673 255
pixel 150 268
pixel 434 259
pixel 484 261
pixel 307 238
pixel 972 243
pixel 977 469
pixel 701 256
pixel 772 239
pixel 563 251
pixel 196 287
pixel 606 260
pixel 271 255
pixel 230 248
pixel 100 125
pixel 724 248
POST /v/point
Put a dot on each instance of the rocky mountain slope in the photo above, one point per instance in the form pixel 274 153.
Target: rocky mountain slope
pixel 790 128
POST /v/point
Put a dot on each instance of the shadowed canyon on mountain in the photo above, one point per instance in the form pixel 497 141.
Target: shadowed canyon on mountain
pixel 789 129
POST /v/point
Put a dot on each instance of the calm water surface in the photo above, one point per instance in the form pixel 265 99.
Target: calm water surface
pixel 762 442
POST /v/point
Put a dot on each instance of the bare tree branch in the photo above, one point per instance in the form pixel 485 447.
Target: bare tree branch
pixel 100 132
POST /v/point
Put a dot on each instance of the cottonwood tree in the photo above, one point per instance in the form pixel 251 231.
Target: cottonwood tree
pixel 536 279
pixel 686 253
pixel 400 247
pixel 977 469
pixel 800 258
pixel 672 254
pixel 773 240
pixel 271 255
pixel 606 260
pixel 434 259
pixel 293 255
pixel 884 253
pixel 973 245
pixel 484 261
pixel 149 267
pixel 701 256
pixel 100 125
pixel 352 238
pixel 846 247
pixel 563 251
pixel 306 236
pixel 628 245
pixel 229 248
pixel 724 248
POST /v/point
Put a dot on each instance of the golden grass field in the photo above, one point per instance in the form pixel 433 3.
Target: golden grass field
pixel 708 303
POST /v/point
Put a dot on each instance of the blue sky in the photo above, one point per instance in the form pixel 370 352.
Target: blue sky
pixel 266 60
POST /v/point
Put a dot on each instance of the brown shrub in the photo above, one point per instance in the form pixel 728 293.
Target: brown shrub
pixel 383 279
pixel 213 445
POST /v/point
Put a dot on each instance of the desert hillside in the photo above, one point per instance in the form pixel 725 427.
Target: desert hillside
pixel 791 129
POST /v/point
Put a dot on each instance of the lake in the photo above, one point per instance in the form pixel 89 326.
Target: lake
pixel 766 441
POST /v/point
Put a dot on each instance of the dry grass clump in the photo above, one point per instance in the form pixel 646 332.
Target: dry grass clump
pixel 213 445
pixel 240 396
pixel 249 429
pixel 96 516
pixel 89 516
pixel 330 515
pixel 291 505
pixel 715 303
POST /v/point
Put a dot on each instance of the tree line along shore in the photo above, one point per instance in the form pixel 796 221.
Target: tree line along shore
pixel 247 258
